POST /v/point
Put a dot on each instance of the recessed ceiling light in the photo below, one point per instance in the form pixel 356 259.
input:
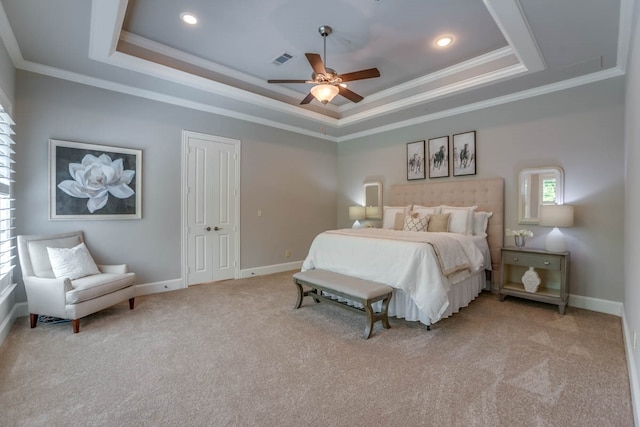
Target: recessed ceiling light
pixel 444 41
pixel 189 18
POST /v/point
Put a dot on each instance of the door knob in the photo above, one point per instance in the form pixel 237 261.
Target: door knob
pixel 217 228
pixel 208 228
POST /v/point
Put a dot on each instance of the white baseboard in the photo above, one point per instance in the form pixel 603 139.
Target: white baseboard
pixel 633 371
pixel 270 269
pixel 158 287
pixel 596 304
pixel 18 310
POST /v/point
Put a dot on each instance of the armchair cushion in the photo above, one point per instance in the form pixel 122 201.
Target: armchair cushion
pixel 95 286
pixel 73 263
pixel 39 257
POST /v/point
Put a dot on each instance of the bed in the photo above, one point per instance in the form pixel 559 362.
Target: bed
pixel 424 290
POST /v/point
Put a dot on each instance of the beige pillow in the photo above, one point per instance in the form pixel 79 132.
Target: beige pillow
pixel 439 222
pixel 399 221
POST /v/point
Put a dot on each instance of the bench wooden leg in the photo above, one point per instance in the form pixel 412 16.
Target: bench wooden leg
pixel 370 320
pixel 33 319
pixel 385 312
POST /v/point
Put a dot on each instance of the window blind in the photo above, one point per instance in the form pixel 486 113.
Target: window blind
pixel 7 215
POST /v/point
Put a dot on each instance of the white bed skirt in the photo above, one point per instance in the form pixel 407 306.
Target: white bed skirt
pixel 403 307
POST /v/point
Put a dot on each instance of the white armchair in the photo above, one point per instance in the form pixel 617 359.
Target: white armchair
pixel 62 297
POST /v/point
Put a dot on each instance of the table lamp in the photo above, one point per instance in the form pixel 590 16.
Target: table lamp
pixel 556 216
pixel 357 214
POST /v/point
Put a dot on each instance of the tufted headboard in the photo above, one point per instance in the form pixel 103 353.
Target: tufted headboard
pixel 487 194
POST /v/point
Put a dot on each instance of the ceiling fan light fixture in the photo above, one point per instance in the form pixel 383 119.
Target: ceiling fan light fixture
pixel 324 92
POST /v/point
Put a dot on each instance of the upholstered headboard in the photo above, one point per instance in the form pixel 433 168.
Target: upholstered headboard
pixel 487 194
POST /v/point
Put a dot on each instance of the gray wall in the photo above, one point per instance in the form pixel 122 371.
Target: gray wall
pixel 291 178
pixel 580 130
pixel 7 77
pixel 632 208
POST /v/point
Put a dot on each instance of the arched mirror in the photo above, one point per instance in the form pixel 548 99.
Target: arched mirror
pixel 539 186
pixel 373 200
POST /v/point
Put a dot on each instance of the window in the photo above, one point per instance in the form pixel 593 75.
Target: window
pixel 7 246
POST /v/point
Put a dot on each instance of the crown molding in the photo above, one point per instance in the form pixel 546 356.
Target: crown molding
pixel 530 93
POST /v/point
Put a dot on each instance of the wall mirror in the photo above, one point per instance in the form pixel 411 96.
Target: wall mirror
pixel 373 200
pixel 539 186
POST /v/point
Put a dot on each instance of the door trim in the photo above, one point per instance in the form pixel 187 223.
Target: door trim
pixel 186 134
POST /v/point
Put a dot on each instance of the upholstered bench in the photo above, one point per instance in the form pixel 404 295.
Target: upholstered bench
pixel 365 292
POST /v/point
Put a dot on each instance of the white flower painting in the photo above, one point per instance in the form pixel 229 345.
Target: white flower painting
pixel 97 177
pixel 94 182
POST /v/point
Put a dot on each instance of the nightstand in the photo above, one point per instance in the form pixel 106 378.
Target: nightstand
pixel 551 267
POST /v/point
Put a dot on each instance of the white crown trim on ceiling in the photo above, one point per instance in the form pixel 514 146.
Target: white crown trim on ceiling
pixel 106 32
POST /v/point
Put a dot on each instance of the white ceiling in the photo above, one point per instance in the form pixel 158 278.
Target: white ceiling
pixel 503 50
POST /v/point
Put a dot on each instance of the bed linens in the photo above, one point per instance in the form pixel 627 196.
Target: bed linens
pixel 409 264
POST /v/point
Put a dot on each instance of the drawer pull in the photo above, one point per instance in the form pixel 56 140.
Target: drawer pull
pixel 546 263
pixel 515 259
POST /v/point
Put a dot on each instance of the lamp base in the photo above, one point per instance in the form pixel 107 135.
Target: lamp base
pixel 555 241
pixel 356 224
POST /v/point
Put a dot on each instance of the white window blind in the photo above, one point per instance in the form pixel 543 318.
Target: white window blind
pixel 7 246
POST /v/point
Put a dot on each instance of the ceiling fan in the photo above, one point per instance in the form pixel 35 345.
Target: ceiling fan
pixel 327 83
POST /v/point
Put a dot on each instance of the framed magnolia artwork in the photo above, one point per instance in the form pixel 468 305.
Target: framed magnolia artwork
pixel 88 181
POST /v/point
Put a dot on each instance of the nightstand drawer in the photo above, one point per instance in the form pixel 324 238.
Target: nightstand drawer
pixel 547 262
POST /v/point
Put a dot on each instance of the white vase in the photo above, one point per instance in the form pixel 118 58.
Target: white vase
pixel 530 280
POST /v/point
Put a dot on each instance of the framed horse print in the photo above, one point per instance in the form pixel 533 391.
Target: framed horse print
pixel 439 157
pixel 464 153
pixel 415 160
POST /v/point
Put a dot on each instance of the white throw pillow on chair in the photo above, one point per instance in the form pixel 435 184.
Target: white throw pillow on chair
pixel 73 263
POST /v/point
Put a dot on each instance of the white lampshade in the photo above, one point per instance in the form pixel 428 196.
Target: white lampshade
pixel 324 92
pixel 357 213
pixel 556 216
pixel 372 212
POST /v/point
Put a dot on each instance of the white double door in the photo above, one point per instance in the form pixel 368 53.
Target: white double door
pixel 212 207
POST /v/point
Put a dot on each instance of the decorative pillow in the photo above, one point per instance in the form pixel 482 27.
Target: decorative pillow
pixel 461 218
pixel 399 223
pixel 425 210
pixel 480 222
pixel 439 222
pixel 73 263
pixel 389 215
pixel 415 222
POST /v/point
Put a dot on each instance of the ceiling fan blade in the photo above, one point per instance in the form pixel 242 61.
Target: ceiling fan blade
pixel 286 81
pixel 350 95
pixel 307 99
pixel 316 63
pixel 359 75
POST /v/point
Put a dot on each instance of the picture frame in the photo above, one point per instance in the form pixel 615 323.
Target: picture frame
pixel 94 182
pixel 438 157
pixel 415 161
pixel 464 153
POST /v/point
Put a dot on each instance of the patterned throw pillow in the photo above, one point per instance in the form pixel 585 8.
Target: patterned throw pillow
pixel 416 222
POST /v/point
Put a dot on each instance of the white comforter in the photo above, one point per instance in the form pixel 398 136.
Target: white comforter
pixel 374 254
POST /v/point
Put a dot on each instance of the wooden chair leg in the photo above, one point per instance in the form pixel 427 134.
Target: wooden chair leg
pixel 131 303
pixel 76 325
pixel 33 319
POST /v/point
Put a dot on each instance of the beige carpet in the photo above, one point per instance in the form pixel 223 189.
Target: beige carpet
pixel 236 353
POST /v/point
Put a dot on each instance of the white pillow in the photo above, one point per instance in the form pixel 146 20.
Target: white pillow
pixel 424 210
pixel 389 215
pixel 480 222
pixel 415 222
pixel 73 263
pixel 461 218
